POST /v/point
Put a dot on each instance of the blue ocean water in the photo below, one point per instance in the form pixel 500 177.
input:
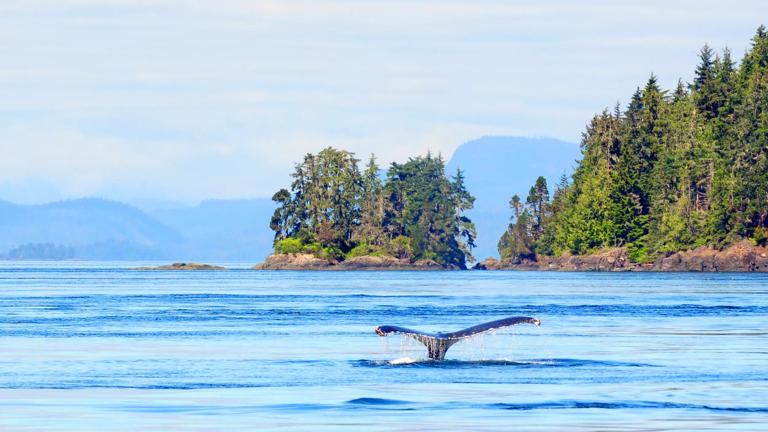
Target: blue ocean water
pixel 100 347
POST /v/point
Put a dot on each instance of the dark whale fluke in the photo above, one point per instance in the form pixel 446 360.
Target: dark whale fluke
pixel 438 343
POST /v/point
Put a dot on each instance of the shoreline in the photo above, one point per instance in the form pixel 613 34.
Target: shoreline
pixel 302 261
pixel 742 257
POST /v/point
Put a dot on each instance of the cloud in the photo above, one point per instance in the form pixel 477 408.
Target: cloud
pixel 198 99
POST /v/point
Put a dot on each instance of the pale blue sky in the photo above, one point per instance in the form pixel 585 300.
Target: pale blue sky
pixel 183 100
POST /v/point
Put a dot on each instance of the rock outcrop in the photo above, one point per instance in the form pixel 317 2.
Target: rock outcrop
pixel 183 266
pixel 366 262
pixel 740 257
pixel 506 264
pixel 615 259
pixel 294 261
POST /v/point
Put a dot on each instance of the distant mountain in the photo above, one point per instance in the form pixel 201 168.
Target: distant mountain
pixel 94 228
pixel 222 229
pixel 41 251
pixel 497 167
pixel 98 229
pixel 238 230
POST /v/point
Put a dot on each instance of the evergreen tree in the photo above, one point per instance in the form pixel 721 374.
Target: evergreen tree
pixel 325 205
pixel 668 173
pixel 538 202
pixel 517 242
pixel 283 216
pixel 426 207
pixel 371 228
pixel 336 212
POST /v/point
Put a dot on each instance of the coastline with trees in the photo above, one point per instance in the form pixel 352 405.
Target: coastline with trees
pixel 676 181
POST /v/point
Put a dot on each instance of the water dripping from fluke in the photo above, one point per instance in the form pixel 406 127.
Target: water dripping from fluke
pixel 548 363
pixel 437 344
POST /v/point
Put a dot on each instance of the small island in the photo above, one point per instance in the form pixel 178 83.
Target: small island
pixel 182 266
pixel 336 217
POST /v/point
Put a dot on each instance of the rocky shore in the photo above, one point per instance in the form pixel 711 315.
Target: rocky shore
pixel 310 262
pixel 740 257
pixel 182 266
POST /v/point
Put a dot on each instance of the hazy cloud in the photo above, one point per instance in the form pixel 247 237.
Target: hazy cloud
pixel 183 100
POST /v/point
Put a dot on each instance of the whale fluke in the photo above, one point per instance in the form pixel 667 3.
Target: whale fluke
pixel 438 343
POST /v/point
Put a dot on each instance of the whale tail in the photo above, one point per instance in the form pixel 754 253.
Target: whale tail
pixel 438 343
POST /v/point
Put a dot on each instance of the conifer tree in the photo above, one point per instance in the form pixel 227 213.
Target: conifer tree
pixel 670 172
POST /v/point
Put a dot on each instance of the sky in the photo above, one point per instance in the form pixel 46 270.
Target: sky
pixel 170 100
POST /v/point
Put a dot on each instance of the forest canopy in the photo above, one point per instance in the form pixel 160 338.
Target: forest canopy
pixel 673 170
pixel 336 211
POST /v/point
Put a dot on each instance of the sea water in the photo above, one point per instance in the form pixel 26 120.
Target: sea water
pixel 87 346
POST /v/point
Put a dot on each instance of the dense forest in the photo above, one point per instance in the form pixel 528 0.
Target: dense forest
pixel 335 211
pixel 674 170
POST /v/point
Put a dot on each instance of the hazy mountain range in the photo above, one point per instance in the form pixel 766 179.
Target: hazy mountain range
pixel 237 230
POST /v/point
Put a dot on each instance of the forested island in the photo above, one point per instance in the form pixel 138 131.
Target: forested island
pixel 336 216
pixel 677 180
pixel 676 170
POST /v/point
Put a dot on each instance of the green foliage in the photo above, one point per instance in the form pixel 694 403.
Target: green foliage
pixel 672 171
pixel 332 253
pixel 418 213
pixel 297 245
pixel 427 207
pixel 760 237
pixel 517 242
pixel 289 245
pixel 400 247
pixel 364 249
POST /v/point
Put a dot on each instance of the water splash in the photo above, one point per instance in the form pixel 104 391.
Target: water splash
pixel 403 361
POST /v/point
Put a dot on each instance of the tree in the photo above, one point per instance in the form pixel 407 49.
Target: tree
pixel 427 208
pixel 373 206
pixel 335 211
pixel 538 202
pixel 517 242
pixel 670 172
pixel 464 231
pixel 283 216
pixel 324 205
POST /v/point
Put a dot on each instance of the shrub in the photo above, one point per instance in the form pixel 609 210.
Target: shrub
pixel 289 245
pixel 364 249
pixel 400 247
pixel 760 237
pixel 313 248
pixel 332 253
